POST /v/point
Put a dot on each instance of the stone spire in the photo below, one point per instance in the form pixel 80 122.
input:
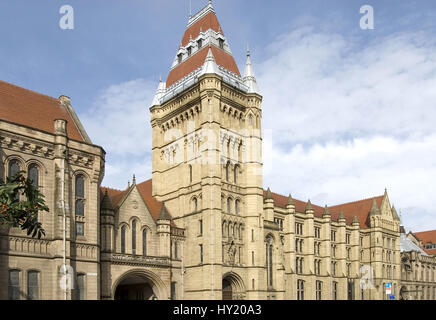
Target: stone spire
pixel 342 216
pixel 249 77
pixel 210 65
pixel 290 201
pixel 269 195
pixel 395 214
pixel 161 88
pixel 106 203
pixel 309 206
pixel 374 208
pixel 355 220
pixel 326 212
pixel 164 214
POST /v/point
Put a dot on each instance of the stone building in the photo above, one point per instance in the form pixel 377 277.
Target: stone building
pixel 203 227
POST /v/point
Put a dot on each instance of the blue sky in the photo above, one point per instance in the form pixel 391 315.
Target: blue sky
pixel 356 106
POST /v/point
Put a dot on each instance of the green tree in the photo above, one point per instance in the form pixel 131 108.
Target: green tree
pixel 20 203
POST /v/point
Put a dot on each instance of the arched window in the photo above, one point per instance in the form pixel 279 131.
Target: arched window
pixel 33 175
pixel 269 260
pixel 190 174
pixel 144 242
pixel 123 239
pixel 80 196
pixel 14 168
pixel 235 174
pixel 237 207
pixel 195 203
pixel 134 237
pixel 227 171
pixel 224 229
pixel 32 285
pixel 229 205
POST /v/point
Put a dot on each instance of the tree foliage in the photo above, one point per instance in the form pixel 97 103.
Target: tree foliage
pixel 20 203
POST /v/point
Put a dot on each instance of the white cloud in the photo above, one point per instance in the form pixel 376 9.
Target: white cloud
pixel 348 120
pixel 352 120
pixel 119 121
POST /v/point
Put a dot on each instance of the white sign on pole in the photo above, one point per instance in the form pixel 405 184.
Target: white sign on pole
pixel 389 288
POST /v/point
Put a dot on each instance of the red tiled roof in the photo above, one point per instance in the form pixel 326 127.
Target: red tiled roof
pixel 209 21
pixel 194 62
pixel 145 189
pixel 34 110
pixel 426 236
pixel 360 209
pixel 430 251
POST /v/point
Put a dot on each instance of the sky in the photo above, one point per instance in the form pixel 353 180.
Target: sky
pixel 346 112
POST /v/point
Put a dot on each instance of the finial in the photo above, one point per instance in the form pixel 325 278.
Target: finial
pixel 309 205
pixel 269 194
pixel 290 201
pixel 248 49
pixel 326 211
pixel 342 215
pixel 134 179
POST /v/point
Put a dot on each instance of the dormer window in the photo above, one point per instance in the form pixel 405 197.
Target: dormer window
pixel 221 43
pixel 179 57
pixel 199 44
pixel 189 51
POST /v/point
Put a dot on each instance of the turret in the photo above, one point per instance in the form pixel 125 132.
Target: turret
pixel 249 77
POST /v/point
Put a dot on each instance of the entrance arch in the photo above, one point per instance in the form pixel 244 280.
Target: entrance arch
pixel 139 285
pixel 232 287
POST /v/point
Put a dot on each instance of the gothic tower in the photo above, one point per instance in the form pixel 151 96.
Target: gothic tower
pixel 207 163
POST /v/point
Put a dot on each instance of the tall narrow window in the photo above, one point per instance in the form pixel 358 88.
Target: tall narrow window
pixel 32 285
pixel 318 290
pixel 80 287
pixel 229 201
pixel 176 250
pixel 335 290
pixel 14 168
pixel 179 57
pixel 33 175
pixel 269 256
pixel 173 290
pixel 237 207
pixel 80 228
pixel 221 43
pixel 200 227
pixel 14 285
pixel 235 175
pixel 227 171
pixel 195 201
pixel 134 237
pixel 199 44
pixel 80 196
pixel 123 239
pixel 190 173
pixel 144 242
pixel 201 253
pixel 189 51
pixel 300 290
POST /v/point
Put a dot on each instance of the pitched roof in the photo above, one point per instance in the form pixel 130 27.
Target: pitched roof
pixel 427 237
pixel 203 21
pixel 360 209
pixel 209 21
pixel 194 62
pixel 145 189
pixel 34 110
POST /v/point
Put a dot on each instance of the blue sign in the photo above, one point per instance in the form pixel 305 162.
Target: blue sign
pixel 392 297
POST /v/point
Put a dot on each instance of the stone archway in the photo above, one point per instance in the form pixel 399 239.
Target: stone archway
pixel 233 287
pixel 139 285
